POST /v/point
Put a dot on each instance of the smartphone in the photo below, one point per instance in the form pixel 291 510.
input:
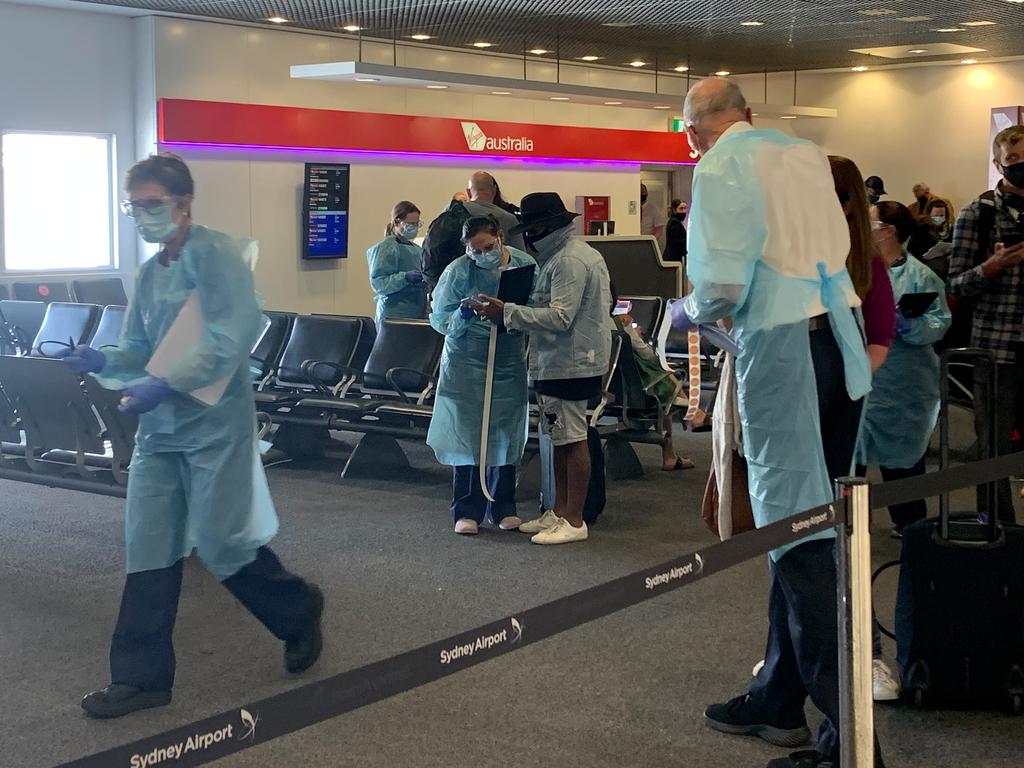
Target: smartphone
pixel 1012 239
pixel 623 307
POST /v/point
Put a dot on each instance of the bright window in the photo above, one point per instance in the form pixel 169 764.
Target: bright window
pixel 58 202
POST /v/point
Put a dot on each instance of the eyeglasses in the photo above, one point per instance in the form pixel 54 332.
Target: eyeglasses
pixel 134 208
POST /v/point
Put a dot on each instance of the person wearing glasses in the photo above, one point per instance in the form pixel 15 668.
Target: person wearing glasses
pixel 396 267
pixel 196 481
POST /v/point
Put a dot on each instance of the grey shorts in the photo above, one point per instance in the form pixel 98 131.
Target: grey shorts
pixel 564 421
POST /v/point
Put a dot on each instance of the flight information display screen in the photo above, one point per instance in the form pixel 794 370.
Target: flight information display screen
pixel 325 211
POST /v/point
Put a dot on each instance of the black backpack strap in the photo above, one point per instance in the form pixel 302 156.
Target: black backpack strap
pixel 986 224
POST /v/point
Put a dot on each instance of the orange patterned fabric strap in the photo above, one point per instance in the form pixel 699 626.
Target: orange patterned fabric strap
pixel 693 357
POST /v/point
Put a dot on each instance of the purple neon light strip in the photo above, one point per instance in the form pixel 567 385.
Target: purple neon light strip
pixel 422 155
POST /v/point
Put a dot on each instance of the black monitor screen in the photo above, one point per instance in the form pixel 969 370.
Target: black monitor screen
pixel 325 211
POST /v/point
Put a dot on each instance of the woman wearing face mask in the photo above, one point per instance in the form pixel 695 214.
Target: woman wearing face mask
pixel 458 406
pixel 196 480
pixel 675 233
pixel 396 267
pixel 866 268
pixel 939 215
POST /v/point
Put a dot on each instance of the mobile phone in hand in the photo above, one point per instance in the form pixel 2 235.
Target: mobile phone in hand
pixel 1012 239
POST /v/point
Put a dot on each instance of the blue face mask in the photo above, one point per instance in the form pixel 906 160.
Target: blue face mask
pixel 156 225
pixel 939 221
pixel 408 231
pixel 490 259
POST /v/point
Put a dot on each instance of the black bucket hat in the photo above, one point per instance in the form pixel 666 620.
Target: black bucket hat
pixel 540 208
pixel 876 185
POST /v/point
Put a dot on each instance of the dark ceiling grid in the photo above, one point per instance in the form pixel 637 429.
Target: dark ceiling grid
pixel 797 34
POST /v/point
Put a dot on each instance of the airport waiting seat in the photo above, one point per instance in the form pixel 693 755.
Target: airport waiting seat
pixel 105 291
pixel 41 291
pixel 266 354
pixel 647 313
pixel 366 339
pixel 108 329
pixel 63 324
pixel 636 268
pixel 21 323
pixel 5 292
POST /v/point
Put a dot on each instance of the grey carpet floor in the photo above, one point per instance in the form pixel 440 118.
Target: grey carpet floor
pixel 627 690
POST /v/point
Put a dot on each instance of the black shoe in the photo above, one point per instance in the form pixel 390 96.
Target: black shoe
pixel 805 759
pixel 118 700
pixel 740 717
pixel 301 653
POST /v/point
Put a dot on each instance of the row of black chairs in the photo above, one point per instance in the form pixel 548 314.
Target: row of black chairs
pixel 36 329
pixel 92 290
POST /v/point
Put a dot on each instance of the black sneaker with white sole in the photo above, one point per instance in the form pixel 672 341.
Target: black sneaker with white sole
pixel 741 717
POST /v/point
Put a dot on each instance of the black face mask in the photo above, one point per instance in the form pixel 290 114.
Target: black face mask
pixel 680 216
pixel 922 201
pixel 643 199
pixel 531 239
pixel 1014 174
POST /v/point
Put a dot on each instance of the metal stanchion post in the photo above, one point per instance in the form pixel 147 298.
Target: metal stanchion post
pixel 853 563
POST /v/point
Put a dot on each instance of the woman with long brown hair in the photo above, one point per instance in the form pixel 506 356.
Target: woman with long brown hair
pixel 867 270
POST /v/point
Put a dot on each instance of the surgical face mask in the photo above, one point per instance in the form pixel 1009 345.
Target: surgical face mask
pixel 1014 174
pixel 408 231
pixel 156 225
pixel 939 221
pixel 489 259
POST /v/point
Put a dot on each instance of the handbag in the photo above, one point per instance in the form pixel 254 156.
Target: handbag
pixel 742 514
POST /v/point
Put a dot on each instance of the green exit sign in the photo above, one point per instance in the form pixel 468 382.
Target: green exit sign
pixel 678 125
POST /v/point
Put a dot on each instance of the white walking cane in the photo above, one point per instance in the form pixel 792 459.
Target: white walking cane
pixel 485 422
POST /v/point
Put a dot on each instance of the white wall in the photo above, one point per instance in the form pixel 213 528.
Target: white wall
pixel 259 194
pixel 68 71
pixel 926 124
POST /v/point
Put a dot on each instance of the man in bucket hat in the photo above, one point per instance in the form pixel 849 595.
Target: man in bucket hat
pixel 570 344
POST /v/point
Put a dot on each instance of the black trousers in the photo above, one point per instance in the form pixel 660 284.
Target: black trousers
pixel 802 653
pixel 142 649
pixel 468 498
pixel 902 515
pixel 1009 411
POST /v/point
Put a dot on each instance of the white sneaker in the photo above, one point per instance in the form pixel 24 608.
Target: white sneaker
pixel 562 532
pixel 884 685
pixel 466 527
pixel 757 668
pixel 542 523
pixel 509 523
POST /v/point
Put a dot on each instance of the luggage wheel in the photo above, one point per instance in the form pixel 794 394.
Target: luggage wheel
pixel 1016 704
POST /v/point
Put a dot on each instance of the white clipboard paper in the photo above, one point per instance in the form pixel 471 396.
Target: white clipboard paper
pixel 181 339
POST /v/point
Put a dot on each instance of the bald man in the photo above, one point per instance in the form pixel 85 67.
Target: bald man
pixel 482 190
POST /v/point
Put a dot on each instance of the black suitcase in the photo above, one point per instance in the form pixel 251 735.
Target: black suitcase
pixel 960 614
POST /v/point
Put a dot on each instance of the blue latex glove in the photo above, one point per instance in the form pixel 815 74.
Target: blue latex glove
pixel 145 396
pixel 903 324
pixel 82 358
pixel 466 311
pixel 680 320
pixel 414 277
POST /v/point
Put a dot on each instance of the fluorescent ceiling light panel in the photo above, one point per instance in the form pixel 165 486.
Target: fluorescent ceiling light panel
pixel 482 44
pixel 916 19
pixel 589 58
pixel 680 69
pixel 902 52
pixel 277 20
pixel 751 23
pixel 538 51
pixel 420 37
pixel 352 28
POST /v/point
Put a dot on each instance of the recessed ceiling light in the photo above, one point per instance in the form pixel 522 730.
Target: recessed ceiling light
pixel 680 69
pixel 787 117
pixel 969 61
pixel 482 44
pixel 948 29
pixel 501 93
pixel 877 12
pixel 366 80
pixel 978 24
pixel 663 106
pixel 277 20
pixel 538 51
pixel 723 73
pixel 918 50
pixel 860 69
pixel 638 63
pixel 437 87
pixel 595 58
pixel 915 19
pixel 619 24
pixel 559 98
pixel 751 23
pixel 612 103
pixel 352 28
pixel 420 37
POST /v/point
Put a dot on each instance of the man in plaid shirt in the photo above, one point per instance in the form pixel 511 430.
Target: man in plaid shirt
pixel 990 272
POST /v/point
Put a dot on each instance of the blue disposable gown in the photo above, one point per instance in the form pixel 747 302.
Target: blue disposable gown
pixel 196 481
pixel 458 406
pixel 904 403
pixel 389 260
pixel 767 246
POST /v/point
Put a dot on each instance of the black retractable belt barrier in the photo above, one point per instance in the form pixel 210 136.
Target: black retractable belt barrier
pixel 209 739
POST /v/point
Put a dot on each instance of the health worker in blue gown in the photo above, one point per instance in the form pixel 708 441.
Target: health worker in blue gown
pixel 903 406
pixel 396 267
pixel 195 481
pixel 455 429
pixel 767 247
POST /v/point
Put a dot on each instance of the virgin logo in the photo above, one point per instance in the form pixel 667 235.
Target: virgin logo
pixel 475 138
